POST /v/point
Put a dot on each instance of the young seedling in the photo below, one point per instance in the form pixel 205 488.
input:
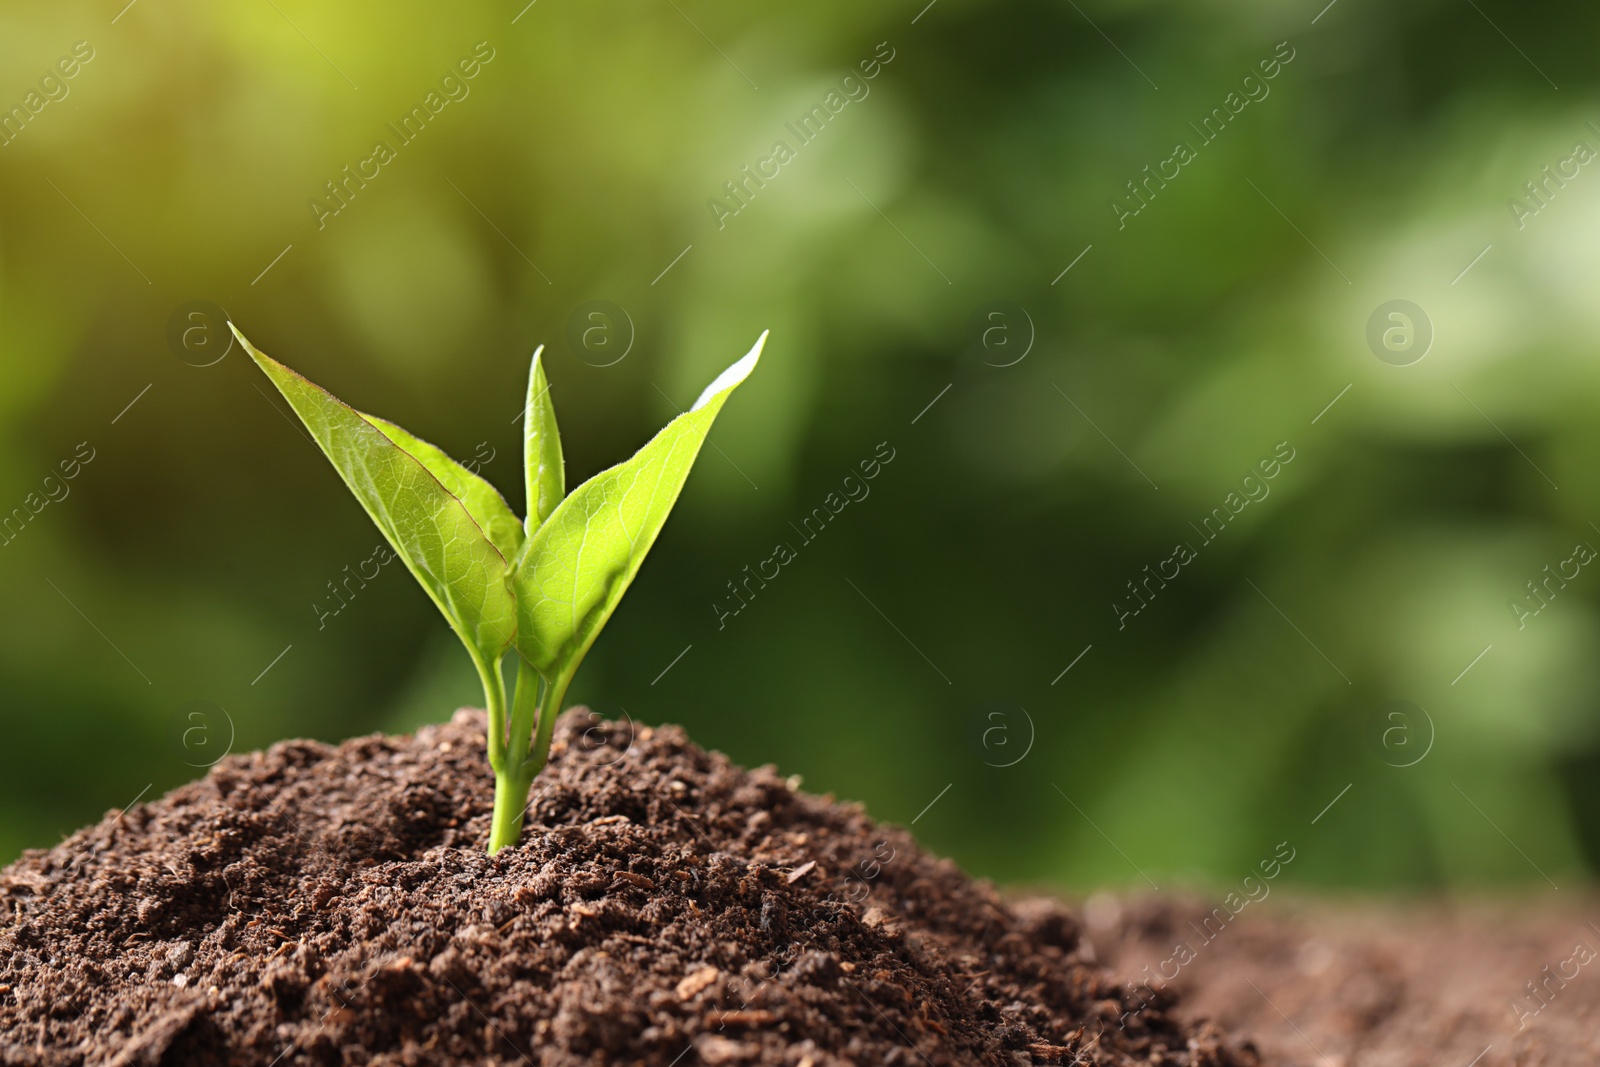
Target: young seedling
pixel 541 587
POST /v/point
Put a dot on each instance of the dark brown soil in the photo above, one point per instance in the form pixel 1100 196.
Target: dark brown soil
pixel 317 904
pixel 1358 984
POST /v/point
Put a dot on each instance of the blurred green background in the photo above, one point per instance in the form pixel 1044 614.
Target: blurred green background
pixel 1054 431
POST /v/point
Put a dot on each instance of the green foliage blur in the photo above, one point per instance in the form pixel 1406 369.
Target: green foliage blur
pixel 189 587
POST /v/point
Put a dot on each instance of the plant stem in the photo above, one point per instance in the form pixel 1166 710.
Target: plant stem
pixel 494 697
pixel 510 805
pixel 514 776
pixel 524 707
pixel 539 750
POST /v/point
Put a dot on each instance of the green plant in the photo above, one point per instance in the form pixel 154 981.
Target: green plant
pixel 541 587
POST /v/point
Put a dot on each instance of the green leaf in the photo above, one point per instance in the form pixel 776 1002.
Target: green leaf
pixel 430 528
pixel 482 500
pixel 542 463
pixel 578 564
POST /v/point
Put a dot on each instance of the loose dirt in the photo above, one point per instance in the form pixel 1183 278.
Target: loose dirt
pixel 314 904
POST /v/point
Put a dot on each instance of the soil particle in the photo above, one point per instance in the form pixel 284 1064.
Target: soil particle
pixel 314 904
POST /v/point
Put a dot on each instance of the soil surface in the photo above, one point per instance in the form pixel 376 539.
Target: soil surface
pixel 318 905
pixel 1353 984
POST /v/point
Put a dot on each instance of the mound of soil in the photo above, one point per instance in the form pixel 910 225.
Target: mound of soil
pixel 318 905
pixel 1352 984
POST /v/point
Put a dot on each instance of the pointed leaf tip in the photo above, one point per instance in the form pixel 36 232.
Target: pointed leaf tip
pixel 734 374
pixel 260 358
pixel 543 471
